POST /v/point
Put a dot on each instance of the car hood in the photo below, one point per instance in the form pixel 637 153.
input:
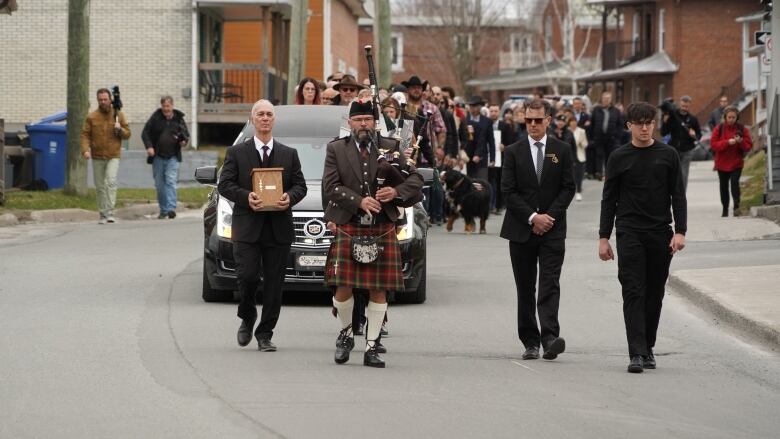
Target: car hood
pixel 313 199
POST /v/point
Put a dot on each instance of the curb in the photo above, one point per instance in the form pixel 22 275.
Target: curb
pixel 738 320
pixel 134 212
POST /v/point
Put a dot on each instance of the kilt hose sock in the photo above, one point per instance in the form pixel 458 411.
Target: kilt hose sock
pixel 344 311
pixel 375 313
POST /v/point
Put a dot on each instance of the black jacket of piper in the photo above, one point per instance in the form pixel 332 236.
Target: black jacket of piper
pixel 156 125
pixel 235 184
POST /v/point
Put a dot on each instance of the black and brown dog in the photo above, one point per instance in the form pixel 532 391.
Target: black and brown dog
pixel 467 197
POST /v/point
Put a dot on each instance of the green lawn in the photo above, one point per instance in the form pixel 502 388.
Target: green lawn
pixel 56 199
pixel 753 189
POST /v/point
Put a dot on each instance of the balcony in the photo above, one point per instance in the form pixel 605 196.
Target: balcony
pixel 228 91
pixel 617 54
pixel 516 60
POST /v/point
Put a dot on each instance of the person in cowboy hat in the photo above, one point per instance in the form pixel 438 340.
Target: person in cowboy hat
pixel 476 136
pixel 348 89
pixel 416 104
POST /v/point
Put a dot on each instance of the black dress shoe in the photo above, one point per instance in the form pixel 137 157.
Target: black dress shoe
pixel 635 366
pixel 344 345
pixel 648 361
pixel 359 329
pixel 245 333
pixel 531 353
pixel 380 347
pixel 554 347
pixel 372 359
pixel 265 345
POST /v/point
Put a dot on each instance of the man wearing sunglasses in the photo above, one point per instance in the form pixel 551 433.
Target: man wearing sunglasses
pixel 537 182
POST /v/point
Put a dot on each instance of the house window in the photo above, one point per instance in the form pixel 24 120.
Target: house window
pixel 462 42
pixel 661 30
pixel 397 47
pixel 635 34
pixel 661 92
pixel 342 66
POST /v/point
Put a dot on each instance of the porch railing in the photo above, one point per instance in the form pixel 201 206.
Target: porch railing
pixel 515 60
pixel 230 88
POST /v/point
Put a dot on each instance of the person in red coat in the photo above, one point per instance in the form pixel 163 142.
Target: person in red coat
pixel 730 142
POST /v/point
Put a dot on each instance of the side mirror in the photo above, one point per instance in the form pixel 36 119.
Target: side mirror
pixel 206 175
pixel 427 175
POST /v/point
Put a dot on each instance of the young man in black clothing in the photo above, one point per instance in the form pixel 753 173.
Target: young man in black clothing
pixel 643 187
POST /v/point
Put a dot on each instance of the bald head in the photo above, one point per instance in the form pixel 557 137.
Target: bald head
pixel 263 119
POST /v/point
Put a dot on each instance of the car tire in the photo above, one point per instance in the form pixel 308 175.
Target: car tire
pixel 419 295
pixel 212 295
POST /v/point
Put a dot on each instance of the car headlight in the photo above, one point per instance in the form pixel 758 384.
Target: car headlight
pixel 406 232
pixel 224 218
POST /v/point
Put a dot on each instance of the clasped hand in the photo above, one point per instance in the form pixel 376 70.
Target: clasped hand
pixel 542 223
pixel 256 203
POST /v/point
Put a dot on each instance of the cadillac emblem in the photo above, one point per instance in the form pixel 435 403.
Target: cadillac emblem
pixel 314 229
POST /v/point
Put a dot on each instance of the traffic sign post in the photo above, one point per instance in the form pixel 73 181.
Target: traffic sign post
pixel 761 37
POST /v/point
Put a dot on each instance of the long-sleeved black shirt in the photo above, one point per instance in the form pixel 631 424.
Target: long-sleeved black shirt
pixel 643 187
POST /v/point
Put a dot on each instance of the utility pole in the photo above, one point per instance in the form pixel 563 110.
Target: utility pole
pixel 297 69
pixel 78 94
pixel 383 42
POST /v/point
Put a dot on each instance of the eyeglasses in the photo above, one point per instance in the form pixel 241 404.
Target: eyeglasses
pixel 534 120
pixel 644 123
pixel 348 89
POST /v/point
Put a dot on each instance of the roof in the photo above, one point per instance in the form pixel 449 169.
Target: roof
pixel 656 64
pixel 537 76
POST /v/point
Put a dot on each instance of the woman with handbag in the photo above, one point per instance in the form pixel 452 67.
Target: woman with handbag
pixel 730 142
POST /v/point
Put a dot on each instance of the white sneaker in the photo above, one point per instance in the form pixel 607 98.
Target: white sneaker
pixel 111 219
pixel 102 220
pixel 578 197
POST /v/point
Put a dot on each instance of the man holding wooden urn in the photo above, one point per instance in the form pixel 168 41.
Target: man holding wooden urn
pixel 264 180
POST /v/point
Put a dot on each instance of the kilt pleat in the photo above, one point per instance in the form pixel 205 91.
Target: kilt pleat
pixel 383 274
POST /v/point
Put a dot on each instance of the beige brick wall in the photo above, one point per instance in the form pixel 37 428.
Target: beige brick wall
pixel 144 46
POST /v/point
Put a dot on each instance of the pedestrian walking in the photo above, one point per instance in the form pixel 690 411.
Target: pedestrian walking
pixel 365 254
pixel 730 142
pixel 643 188
pixel 261 238
pixel 476 136
pixel 716 117
pixel 685 132
pixel 538 186
pixel 606 125
pixel 101 141
pixel 579 156
pixel 164 135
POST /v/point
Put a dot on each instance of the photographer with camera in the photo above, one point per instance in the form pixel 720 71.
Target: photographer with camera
pixel 684 129
pixel 164 135
pixel 101 141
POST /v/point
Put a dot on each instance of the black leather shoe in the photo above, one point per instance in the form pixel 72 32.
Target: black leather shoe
pixel 531 353
pixel 372 359
pixel 635 366
pixel 344 345
pixel 162 215
pixel 554 347
pixel 380 347
pixel 648 361
pixel 245 333
pixel 359 329
pixel 265 345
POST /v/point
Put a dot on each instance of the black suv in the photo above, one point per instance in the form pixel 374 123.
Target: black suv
pixel 307 129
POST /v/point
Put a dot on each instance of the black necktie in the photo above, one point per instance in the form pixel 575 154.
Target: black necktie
pixel 265 155
pixel 363 150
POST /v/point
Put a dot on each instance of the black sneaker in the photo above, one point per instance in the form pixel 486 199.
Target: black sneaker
pixel 372 359
pixel 265 345
pixel 344 345
pixel 162 215
pixel 635 366
pixel 648 361
pixel 554 348
pixel 172 214
pixel 531 353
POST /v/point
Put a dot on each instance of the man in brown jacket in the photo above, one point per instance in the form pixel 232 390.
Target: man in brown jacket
pixel 101 141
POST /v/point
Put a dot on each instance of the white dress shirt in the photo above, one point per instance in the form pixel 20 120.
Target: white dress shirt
pixel 259 146
pixel 534 152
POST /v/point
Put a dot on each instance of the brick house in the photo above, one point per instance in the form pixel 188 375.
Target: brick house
pixel 668 48
pixel 152 48
pixel 560 46
pixel 425 45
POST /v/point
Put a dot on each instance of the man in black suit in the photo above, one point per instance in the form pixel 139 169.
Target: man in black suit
pixel 537 182
pixel 261 237
pixel 476 136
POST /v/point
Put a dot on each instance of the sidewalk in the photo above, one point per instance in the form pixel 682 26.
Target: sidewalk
pixel 134 212
pixel 746 297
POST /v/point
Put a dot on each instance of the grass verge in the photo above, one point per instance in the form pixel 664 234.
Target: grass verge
pixel 753 188
pixel 55 199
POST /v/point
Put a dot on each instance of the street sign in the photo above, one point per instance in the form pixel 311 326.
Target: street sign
pixel 761 37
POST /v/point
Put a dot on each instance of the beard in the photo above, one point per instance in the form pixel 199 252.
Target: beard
pixel 361 135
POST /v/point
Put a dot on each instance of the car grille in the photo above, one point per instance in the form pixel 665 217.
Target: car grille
pixel 301 239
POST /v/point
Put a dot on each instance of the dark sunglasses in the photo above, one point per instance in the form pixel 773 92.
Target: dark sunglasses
pixel 348 89
pixel 534 120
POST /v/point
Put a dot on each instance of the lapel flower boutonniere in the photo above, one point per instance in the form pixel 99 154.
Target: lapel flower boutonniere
pixel 553 158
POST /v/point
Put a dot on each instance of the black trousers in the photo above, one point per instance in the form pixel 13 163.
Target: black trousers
pixel 643 267
pixel 729 179
pixel 249 258
pixel 579 174
pixel 494 178
pixel 548 254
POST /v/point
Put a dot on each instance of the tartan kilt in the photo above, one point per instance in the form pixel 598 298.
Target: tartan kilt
pixel 383 274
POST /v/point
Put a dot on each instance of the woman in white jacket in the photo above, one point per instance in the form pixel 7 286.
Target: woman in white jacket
pixel 581 139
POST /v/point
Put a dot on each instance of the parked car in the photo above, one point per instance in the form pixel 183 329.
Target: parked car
pixel 307 129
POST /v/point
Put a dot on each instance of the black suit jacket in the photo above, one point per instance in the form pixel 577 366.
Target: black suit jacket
pixel 235 184
pixel 524 195
pixel 483 143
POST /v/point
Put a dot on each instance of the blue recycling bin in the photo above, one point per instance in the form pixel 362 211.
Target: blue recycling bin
pixel 48 139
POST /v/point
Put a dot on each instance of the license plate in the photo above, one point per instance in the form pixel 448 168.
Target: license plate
pixel 312 261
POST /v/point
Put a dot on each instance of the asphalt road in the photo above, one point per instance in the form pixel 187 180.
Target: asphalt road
pixel 103 334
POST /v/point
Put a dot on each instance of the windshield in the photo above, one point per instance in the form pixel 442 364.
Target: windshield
pixel 311 152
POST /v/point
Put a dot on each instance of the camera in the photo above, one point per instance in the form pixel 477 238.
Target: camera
pixel 116 101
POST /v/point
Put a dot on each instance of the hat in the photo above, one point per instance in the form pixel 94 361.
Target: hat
pixel 414 80
pixel 399 88
pixel 349 81
pixel 360 108
pixel 476 100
